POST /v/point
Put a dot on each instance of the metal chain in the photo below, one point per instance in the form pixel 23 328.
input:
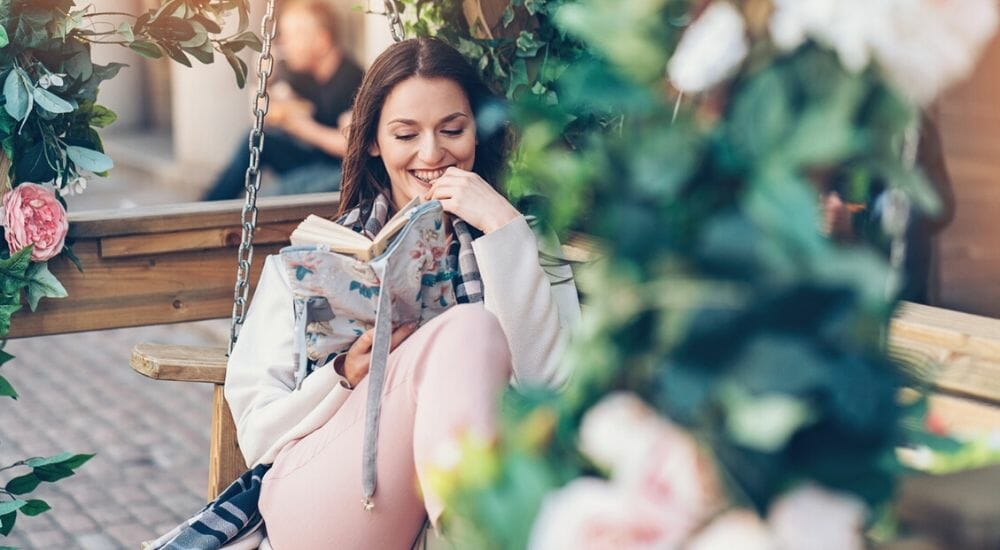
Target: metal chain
pixel 261 101
pixel 898 209
pixel 395 21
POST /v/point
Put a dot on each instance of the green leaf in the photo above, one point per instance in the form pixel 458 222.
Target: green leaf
pixel 13 271
pixel 7 523
pixel 88 159
pixel 175 53
pixel 101 116
pixel 51 102
pixel 17 94
pixel 146 49
pixel 4 357
pixel 23 484
pixel 55 459
pixel 528 44
pixel 6 390
pixel 239 67
pixel 76 461
pixel 53 472
pixel 4 39
pixel 5 312
pixel 125 31
pixel 35 507
pixel 42 284
pixel 245 40
pixel 11 506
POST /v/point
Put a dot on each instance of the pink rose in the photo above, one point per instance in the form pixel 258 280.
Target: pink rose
pixel 33 216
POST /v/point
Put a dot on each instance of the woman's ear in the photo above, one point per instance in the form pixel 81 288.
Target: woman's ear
pixel 373 150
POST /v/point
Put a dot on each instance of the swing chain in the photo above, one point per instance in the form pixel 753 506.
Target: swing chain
pixel 395 21
pixel 261 102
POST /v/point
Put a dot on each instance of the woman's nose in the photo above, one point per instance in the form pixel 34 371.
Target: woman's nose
pixel 430 150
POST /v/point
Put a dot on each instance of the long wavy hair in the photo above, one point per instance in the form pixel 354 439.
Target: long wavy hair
pixel 365 176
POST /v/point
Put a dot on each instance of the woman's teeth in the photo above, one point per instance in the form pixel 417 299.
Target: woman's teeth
pixel 427 176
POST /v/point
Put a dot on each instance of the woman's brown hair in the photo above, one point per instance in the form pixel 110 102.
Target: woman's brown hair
pixel 364 176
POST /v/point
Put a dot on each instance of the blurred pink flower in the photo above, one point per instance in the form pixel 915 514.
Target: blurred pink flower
pixel 813 518
pixel 33 216
pixel 653 461
pixel 592 514
pixel 739 528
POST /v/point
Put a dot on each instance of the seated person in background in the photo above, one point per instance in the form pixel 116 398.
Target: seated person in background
pixel 920 266
pixel 316 84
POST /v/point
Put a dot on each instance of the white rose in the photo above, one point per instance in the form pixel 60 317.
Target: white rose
pixel 596 515
pixel 813 518
pixel 739 528
pixel 652 460
pixel 710 50
pixel 929 44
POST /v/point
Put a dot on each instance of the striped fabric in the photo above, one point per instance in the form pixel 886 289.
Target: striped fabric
pixel 232 519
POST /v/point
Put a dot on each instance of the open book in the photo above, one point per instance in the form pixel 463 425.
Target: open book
pixel 315 230
pixel 337 276
pixel 343 284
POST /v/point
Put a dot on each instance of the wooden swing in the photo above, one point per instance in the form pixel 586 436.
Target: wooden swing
pixel 172 264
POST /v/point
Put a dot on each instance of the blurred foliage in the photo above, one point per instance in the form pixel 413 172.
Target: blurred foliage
pixel 718 299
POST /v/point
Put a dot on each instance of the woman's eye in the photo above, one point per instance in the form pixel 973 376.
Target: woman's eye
pixel 456 132
pixel 406 137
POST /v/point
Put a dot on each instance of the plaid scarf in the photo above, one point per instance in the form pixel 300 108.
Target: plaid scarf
pixel 233 519
pixel 369 218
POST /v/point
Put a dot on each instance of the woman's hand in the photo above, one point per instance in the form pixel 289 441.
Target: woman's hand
pixel 354 364
pixel 469 197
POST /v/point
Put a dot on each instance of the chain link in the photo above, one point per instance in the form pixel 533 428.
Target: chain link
pixel 260 104
pixel 395 21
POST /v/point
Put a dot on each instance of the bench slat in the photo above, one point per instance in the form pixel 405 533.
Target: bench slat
pixel 180 363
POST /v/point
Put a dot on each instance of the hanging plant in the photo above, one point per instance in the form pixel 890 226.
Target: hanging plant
pixel 50 147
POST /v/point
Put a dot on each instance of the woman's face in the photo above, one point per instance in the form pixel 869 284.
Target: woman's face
pixel 426 126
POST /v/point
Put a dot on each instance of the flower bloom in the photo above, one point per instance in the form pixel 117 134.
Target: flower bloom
pixel 738 528
pixel 662 484
pixel 921 45
pixel 811 517
pixel 710 50
pixel 33 216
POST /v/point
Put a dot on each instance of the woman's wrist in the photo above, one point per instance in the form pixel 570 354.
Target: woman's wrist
pixel 499 220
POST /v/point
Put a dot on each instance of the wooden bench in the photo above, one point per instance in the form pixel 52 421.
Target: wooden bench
pixel 176 263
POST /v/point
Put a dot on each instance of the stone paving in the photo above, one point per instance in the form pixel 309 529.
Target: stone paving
pixel 77 393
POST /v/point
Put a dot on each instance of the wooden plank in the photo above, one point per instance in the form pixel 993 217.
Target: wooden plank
pixel 181 217
pixel 138 291
pixel 192 239
pixel 180 363
pixel 965 347
pixel 225 460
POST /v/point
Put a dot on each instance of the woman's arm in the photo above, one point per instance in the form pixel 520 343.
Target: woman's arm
pixel 537 308
pixel 331 140
pixel 260 377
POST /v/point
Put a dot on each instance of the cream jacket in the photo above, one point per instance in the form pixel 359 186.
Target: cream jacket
pixel 535 314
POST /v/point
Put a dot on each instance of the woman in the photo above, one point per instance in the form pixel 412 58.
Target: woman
pixel 414 133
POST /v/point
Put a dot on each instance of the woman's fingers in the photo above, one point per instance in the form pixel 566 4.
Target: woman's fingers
pixel 401 333
pixel 364 342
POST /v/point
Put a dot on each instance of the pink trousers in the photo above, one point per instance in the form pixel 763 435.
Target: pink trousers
pixel 443 381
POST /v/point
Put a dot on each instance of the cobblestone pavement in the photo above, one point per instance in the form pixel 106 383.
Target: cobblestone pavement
pixel 77 393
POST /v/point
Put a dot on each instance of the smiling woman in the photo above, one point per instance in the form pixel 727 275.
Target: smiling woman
pixel 414 134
